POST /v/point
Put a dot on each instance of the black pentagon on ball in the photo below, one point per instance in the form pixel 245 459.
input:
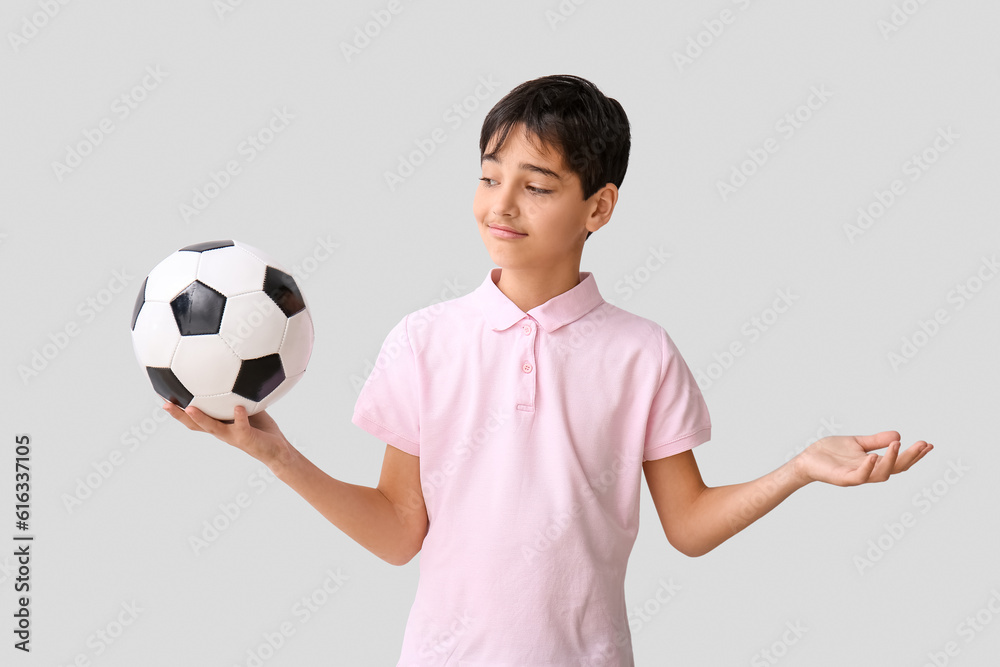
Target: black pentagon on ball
pixel 198 309
pixel 259 377
pixel 166 384
pixel 283 291
pixel 139 300
pixel 206 245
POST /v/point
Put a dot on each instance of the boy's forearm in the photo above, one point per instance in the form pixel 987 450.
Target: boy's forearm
pixel 361 512
pixel 720 512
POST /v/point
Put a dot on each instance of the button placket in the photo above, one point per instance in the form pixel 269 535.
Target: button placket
pixel 526 344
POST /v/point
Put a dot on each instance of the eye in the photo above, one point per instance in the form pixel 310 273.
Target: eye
pixel 489 183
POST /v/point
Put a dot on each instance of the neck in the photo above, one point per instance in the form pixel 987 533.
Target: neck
pixel 528 288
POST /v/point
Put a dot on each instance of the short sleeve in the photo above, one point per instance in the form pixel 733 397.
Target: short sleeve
pixel 678 416
pixel 388 406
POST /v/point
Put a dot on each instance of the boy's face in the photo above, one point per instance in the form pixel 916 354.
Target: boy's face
pixel 531 191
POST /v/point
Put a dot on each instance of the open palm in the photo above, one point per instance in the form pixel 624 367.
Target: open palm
pixel 258 435
pixel 849 460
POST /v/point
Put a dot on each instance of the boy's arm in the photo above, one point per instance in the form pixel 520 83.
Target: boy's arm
pixel 389 520
pixel 697 518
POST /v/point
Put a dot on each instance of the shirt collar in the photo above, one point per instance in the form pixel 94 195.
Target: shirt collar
pixel 501 313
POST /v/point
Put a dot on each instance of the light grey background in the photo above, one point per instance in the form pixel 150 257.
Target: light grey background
pixel 821 367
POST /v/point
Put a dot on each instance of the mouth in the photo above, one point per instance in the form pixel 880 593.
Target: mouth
pixel 503 232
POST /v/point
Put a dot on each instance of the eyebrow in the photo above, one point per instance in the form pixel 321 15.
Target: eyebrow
pixel 526 166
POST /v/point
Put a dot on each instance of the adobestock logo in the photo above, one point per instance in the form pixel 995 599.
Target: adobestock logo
pixel 31 26
pixel 779 648
pixel 914 167
pixel 924 501
pixel 711 32
pixel 248 149
pixel 42 357
pixel 364 34
pixel 785 128
pixel 454 116
pixel 121 108
pixel 753 329
pixel 927 329
pixel 639 616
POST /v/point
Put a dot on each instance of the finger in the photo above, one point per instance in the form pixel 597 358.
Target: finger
pixel 885 464
pixel 207 424
pixel 877 441
pixel 241 423
pixel 861 474
pixel 915 452
pixel 181 416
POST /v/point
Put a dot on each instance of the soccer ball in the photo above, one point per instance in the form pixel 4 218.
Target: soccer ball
pixel 221 324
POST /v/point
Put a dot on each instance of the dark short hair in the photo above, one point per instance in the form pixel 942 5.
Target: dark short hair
pixel 569 113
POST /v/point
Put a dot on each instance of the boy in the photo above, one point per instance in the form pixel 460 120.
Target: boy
pixel 518 418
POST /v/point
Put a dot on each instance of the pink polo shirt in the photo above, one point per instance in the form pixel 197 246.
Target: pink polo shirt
pixel 531 430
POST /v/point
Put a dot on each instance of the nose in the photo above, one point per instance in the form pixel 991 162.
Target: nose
pixel 503 203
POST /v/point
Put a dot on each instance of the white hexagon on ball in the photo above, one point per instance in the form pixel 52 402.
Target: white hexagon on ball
pixel 231 270
pixel 252 325
pixel 155 336
pixel 296 348
pixel 205 365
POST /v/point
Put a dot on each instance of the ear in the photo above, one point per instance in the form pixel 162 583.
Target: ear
pixel 602 206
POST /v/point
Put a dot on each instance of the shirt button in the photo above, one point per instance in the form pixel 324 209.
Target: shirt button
pixel 526 329
pixel 526 367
